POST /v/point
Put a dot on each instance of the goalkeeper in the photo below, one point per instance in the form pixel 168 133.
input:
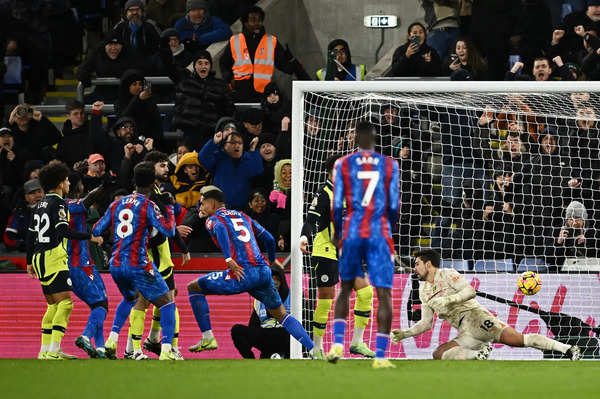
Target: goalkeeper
pixel 447 293
pixel 324 258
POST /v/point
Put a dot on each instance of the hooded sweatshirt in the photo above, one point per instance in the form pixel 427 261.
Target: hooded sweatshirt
pixel 187 192
pixel 330 71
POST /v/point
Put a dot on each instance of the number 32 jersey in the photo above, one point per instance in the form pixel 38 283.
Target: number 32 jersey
pixel 48 214
pixel 132 218
pixel 368 182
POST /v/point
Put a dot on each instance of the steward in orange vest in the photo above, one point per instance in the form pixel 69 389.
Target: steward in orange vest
pixel 251 57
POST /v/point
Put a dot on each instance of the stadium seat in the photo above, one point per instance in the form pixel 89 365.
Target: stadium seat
pixel 494 265
pixel 537 265
pixel 581 264
pixel 459 265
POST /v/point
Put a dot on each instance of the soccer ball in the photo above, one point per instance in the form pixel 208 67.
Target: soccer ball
pixel 529 283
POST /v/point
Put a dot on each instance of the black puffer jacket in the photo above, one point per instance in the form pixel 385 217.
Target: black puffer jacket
pixel 199 103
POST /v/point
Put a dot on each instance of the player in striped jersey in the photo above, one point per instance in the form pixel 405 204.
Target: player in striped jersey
pixel 368 183
pixel 87 283
pixel 132 217
pixel 324 259
pixel 159 252
pixel 235 233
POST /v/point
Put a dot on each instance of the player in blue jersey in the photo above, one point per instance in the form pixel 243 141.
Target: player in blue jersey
pixel 87 283
pixel 248 271
pixel 132 217
pixel 368 183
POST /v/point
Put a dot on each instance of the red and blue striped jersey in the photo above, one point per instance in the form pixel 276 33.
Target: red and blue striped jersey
pixel 368 182
pixel 132 218
pixel 78 251
pixel 235 233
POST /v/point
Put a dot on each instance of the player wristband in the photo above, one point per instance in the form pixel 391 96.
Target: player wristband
pixel 228 260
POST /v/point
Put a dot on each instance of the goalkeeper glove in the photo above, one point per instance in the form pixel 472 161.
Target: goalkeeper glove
pixel 399 335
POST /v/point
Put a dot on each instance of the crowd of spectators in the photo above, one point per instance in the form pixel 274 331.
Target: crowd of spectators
pixel 511 186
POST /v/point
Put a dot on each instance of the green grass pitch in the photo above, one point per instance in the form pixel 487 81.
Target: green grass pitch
pixel 297 379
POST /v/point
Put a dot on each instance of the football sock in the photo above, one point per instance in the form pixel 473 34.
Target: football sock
pixel 176 334
pixel 167 323
pixel 296 330
pixel 459 353
pixel 99 314
pixel 59 323
pixel 320 321
pixel 200 309
pixel 381 345
pixel 47 326
pixel 362 312
pixel 540 342
pixel 90 327
pixel 155 327
pixel 121 314
pixel 207 335
pixel 339 329
pixel 136 322
pixel 129 346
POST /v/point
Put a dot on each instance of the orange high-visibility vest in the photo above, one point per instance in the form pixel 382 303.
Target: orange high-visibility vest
pixel 264 60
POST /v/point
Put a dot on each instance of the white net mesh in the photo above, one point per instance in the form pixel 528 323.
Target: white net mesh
pixel 499 183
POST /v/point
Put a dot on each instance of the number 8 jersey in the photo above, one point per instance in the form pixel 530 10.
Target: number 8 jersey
pixel 368 182
pixel 132 217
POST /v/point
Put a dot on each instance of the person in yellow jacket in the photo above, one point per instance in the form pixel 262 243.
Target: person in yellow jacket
pixel 251 57
pixel 339 63
pixel 188 179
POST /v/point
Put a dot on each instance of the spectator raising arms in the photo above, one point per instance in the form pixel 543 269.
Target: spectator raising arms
pixel 415 57
pixel 201 98
pixel 75 143
pixel 231 166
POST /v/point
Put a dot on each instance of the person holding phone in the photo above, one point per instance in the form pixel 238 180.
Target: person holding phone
pixel 33 133
pixel 415 58
pixel 464 55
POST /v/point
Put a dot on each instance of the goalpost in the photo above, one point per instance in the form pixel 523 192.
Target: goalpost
pixel 500 177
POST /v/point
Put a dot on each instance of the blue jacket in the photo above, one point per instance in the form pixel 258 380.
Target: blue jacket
pixel 231 176
pixel 211 30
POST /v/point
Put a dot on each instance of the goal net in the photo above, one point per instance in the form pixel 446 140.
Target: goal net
pixel 499 177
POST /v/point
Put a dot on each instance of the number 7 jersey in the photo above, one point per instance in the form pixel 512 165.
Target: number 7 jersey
pixel 368 182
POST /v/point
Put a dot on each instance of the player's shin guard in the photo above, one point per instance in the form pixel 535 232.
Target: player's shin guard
pixel 200 309
pixel 362 312
pixel 167 322
pixel 121 314
pixel 136 321
pixel 59 323
pixel 542 343
pixel 296 330
pixel 320 318
pixel 99 315
pixel 381 345
pixel 47 326
pixel 459 353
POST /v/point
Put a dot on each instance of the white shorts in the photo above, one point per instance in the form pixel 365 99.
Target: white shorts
pixel 477 328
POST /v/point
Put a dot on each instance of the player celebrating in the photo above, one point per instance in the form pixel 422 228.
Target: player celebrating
pixel 47 257
pixel 324 257
pixel 235 233
pixel 368 182
pixel 159 253
pixel 132 217
pixel 87 283
pixel 448 294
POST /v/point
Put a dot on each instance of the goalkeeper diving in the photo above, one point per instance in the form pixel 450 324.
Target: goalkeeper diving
pixel 448 294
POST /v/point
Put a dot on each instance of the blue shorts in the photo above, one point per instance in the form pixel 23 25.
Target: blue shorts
pixel 375 252
pixel 130 279
pixel 257 282
pixel 90 289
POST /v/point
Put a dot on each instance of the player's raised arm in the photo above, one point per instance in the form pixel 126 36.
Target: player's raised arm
pixel 394 192
pixel 102 224
pixel 420 327
pixel 338 198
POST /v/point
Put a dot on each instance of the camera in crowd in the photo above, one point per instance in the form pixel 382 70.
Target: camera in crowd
pixel 454 57
pixel 23 110
pixel 416 40
pixel 138 140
